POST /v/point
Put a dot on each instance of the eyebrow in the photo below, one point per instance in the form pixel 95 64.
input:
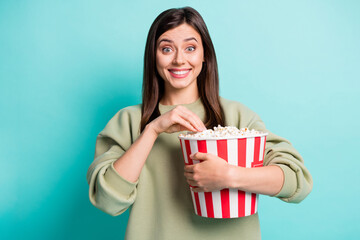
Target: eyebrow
pixel 170 41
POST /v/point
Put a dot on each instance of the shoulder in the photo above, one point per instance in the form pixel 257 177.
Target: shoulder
pixel 133 112
pixel 231 105
pixel 126 118
pixel 236 113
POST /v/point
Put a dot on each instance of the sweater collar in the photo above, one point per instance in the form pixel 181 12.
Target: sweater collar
pixel 191 106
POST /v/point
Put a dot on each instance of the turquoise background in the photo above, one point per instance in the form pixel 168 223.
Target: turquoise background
pixel 66 67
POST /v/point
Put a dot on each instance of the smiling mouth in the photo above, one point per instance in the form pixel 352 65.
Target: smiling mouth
pixel 179 73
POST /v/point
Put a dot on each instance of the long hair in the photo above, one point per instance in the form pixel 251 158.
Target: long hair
pixel 207 81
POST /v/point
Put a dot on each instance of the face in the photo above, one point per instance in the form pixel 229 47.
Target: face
pixel 179 57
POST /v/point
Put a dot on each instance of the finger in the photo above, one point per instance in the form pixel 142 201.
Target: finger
pixel 189 168
pixel 192 117
pixel 198 121
pixel 185 125
pixel 197 189
pixel 192 183
pixel 199 156
pixel 196 118
pixel 192 122
pixel 189 176
pixel 182 128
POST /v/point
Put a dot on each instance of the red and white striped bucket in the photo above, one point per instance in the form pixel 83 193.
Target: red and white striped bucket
pixel 240 151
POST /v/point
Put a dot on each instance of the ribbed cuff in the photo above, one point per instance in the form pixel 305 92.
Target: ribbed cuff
pixel 290 182
pixel 117 182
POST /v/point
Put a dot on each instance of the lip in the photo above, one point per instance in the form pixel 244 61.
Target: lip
pixel 179 72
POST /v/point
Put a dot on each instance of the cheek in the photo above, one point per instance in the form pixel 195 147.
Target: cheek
pixel 158 61
pixel 159 67
pixel 162 63
pixel 197 60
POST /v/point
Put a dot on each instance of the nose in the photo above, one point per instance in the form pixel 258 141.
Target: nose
pixel 179 58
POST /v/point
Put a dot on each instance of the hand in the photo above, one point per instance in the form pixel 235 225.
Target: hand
pixel 178 119
pixel 211 174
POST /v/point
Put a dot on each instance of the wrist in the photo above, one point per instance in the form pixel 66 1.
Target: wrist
pixel 235 175
pixel 149 128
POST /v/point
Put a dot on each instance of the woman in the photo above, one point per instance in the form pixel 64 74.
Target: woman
pixel 138 161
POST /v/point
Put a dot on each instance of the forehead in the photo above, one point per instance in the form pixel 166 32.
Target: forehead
pixel 180 33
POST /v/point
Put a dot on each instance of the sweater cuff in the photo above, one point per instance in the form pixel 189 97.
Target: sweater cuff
pixel 117 182
pixel 290 182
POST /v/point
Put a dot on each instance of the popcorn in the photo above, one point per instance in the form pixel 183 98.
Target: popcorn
pixel 223 132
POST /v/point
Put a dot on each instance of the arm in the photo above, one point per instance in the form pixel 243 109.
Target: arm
pixel 215 174
pixel 267 180
pixel 113 176
pixel 280 152
pixel 108 190
pixel 130 164
pixel 283 175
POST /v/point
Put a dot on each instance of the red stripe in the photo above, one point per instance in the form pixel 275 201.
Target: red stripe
pixel 182 150
pixel 209 204
pixel 208 195
pixel 225 203
pixel 202 146
pixel 222 149
pixel 253 200
pixel 225 198
pixel 241 163
pixel 242 152
pixel 256 161
pixel 196 195
pixel 188 151
pixel 264 148
pixel 241 203
pixel 197 202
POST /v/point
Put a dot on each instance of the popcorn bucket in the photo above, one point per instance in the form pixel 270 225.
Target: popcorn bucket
pixel 241 151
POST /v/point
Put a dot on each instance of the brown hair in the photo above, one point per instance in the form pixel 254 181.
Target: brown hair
pixel 207 81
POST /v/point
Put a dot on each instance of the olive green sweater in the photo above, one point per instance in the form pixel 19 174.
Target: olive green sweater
pixel 160 201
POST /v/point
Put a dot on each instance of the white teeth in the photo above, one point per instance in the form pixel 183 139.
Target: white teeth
pixel 180 72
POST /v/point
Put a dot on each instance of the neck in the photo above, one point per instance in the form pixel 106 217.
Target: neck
pixel 180 96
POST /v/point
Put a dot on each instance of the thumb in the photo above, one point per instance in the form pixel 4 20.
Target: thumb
pixel 199 156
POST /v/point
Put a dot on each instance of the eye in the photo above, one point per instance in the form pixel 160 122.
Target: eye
pixel 166 50
pixel 190 49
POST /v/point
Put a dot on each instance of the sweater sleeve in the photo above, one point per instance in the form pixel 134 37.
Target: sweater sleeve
pixel 279 151
pixel 108 191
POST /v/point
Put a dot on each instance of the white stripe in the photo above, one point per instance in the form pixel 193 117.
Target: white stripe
pixel 234 212
pixel 202 204
pixel 216 197
pixel 249 151
pixel 211 147
pixel 232 152
pixel 250 142
pixel 194 149
pixel 193 146
pixel 184 151
pixel 193 199
pixel 262 148
pixel 247 204
pixel 232 149
pixel 256 202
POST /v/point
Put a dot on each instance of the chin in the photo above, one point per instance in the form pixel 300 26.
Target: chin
pixel 180 85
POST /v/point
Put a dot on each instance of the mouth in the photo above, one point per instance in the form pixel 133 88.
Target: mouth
pixel 179 73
